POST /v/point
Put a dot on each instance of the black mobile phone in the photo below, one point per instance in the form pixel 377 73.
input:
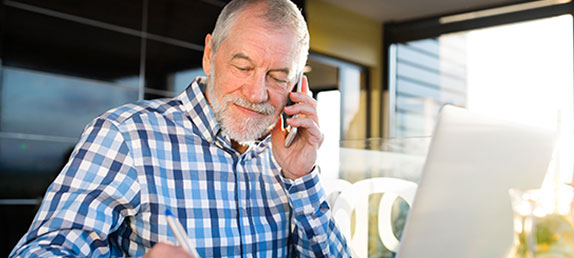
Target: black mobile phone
pixel 291 131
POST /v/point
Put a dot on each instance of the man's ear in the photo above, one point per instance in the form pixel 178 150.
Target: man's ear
pixel 207 55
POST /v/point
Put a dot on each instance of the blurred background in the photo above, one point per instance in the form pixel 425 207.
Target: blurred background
pixel 379 69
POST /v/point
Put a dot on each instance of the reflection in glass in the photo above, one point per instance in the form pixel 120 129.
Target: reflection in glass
pixel 531 81
pixel 128 81
pixel 49 104
pixel 383 157
pixel 33 164
pixel 175 19
pixel 368 164
pixel 327 74
pixel 350 81
pixel 329 113
pixel 126 13
pixel 44 43
pixel 167 66
pixel 543 222
pixel 428 74
pixel 178 81
pixel 521 72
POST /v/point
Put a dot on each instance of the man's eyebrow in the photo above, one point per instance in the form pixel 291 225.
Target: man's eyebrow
pixel 281 70
pixel 241 56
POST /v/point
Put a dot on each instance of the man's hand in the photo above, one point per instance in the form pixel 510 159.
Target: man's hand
pixel 298 159
pixel 164 249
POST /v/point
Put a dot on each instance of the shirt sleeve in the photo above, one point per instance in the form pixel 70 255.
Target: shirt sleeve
pixel 88 200
pixel 315 233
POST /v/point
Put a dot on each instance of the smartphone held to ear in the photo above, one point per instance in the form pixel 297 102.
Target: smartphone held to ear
pixel 291 131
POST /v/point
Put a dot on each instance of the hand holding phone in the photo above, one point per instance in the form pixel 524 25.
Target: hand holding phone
pixel 291 131
pixel 296 152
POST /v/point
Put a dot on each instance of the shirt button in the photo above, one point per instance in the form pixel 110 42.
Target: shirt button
pixel 243 204
pixel 300 195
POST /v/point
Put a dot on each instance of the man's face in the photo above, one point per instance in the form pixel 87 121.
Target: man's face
pixel 250 76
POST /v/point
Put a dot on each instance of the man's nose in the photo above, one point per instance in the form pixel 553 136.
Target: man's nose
pixel 256 89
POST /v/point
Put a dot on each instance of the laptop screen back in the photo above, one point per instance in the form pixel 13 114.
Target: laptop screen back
pixel 462 207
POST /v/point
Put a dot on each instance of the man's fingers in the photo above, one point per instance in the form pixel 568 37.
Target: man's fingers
pixel 305 85
pixel 308 124
pixel 165 249
pixel 304 122
pixel 305 109
pixel 301 97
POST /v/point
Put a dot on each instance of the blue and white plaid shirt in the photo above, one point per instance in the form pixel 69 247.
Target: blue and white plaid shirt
pixel 137 160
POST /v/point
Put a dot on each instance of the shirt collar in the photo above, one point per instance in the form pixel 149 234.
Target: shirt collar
pixel 196 105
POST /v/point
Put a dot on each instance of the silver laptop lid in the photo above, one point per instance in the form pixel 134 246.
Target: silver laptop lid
pixel 462 207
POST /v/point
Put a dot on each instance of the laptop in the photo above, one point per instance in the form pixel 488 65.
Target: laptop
pixel 462 207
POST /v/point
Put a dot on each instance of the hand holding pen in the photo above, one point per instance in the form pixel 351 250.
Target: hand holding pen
pixel 180 234
pixel 185 250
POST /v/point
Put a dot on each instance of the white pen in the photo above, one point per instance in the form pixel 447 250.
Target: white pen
pixel 179 233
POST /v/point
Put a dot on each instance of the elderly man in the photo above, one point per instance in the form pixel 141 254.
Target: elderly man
pixel 214 156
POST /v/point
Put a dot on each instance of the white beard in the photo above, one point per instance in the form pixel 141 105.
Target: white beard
pixel 243 130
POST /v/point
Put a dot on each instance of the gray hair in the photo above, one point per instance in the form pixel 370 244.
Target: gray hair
pixel 281 13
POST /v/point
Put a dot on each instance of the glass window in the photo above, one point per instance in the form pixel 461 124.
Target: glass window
pixel 126 13
pixel 329 112
pixel 340 89
pixel 57 73
pixel 331 74
pixel 175 19
pixel 41 42
pixel 427 74
pixel 28 166
pixel 180 80
pixel 169 68
pixel 50 104
pixel 519 72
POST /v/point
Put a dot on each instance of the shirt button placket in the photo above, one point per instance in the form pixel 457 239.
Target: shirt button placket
pixel 242 203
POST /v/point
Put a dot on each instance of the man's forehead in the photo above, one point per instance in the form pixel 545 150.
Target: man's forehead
pixel 255 40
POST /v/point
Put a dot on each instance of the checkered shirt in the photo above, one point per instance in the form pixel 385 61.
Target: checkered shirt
pixel 134 162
